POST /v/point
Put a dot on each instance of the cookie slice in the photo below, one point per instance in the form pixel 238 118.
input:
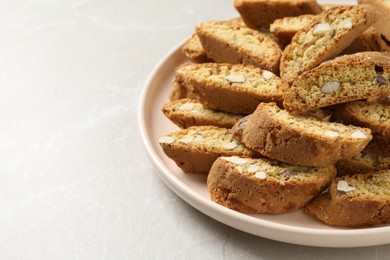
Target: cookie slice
pixel 300 140
pixel 227 42
pixel 358 200
pixel 193 49
pixel 328 35
pixel 383 9
pixel 232 88
pixel 369 40
pixel 261 13
pixel 265 186
pixel 188 112
pixel 364 162
pixel 343 79
pixel 285 28
pixel 196 148
pixel 375 116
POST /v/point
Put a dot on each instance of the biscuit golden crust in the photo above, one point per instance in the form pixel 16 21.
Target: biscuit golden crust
pixel 261 13
pixel 299 140
pixel 364 162
pixel 196 148
pixel 360 200
pixel 375 116
pixel 265 186
pixel 343 79
pixel 232 88
pixel 324 38
pixel 227 42
pixel 188 112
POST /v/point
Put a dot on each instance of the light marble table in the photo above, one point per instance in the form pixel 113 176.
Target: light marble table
pixel 76 182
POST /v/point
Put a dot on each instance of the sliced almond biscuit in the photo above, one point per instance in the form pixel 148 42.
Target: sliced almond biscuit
pixel 188 112
pixel 325 37
pixel 364 162
pixel 359 200
pixel 261 13
pixel 193 49
pixel 227 42
pixel 194 149
pixel 285 28
pixel 265 186
pixel 375 116
pixel 343 79
pixel 300 140
pixel 232 88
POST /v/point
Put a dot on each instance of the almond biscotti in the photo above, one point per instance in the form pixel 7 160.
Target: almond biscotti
pixel 369 40
pixel 325 37
pixel 232 88
pixel 343 79
pixel 196 148
pixel 189 112
pixel 383 9
pixel 285 28
pixel 261 13
pixel 193 50
pixel 265 186
pixel 375 116
pixel 358 200
pixel 364 162
pixel 300 140
pixel 227 42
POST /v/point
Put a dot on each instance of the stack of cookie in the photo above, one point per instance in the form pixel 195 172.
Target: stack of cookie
pixel 287 107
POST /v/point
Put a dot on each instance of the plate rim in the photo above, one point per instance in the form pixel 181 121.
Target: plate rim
pixel 340 238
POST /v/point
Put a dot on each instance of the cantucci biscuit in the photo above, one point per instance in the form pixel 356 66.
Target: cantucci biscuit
pixel 189 112
pixel 325 37
pixel 194 51
pixel 300 140
pixel 194 149
pixel 227 42
pixel 359 200
pixel 232 88
pixel 362 163
pixel 369 40
pixel 375 116
pixel 343 79
pixel 265 186
pixel 383 9
pixel 261 13
pixel 285 28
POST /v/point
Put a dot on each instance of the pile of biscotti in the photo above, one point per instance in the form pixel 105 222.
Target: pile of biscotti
pixel 288 107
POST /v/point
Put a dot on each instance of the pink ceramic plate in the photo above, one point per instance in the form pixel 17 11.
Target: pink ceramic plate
pixel 296 228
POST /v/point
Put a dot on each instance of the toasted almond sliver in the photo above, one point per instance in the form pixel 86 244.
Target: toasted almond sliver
pixel 261 175
pixel 166 140
pixel 187 107
pixel 344 186
pixel 358 134
pixel 332 134
pixel 236 78
pixel 235 160
pixel 322 28
pixel 253 168
pixel 267 74
pixel 231 145
pixel 345 24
